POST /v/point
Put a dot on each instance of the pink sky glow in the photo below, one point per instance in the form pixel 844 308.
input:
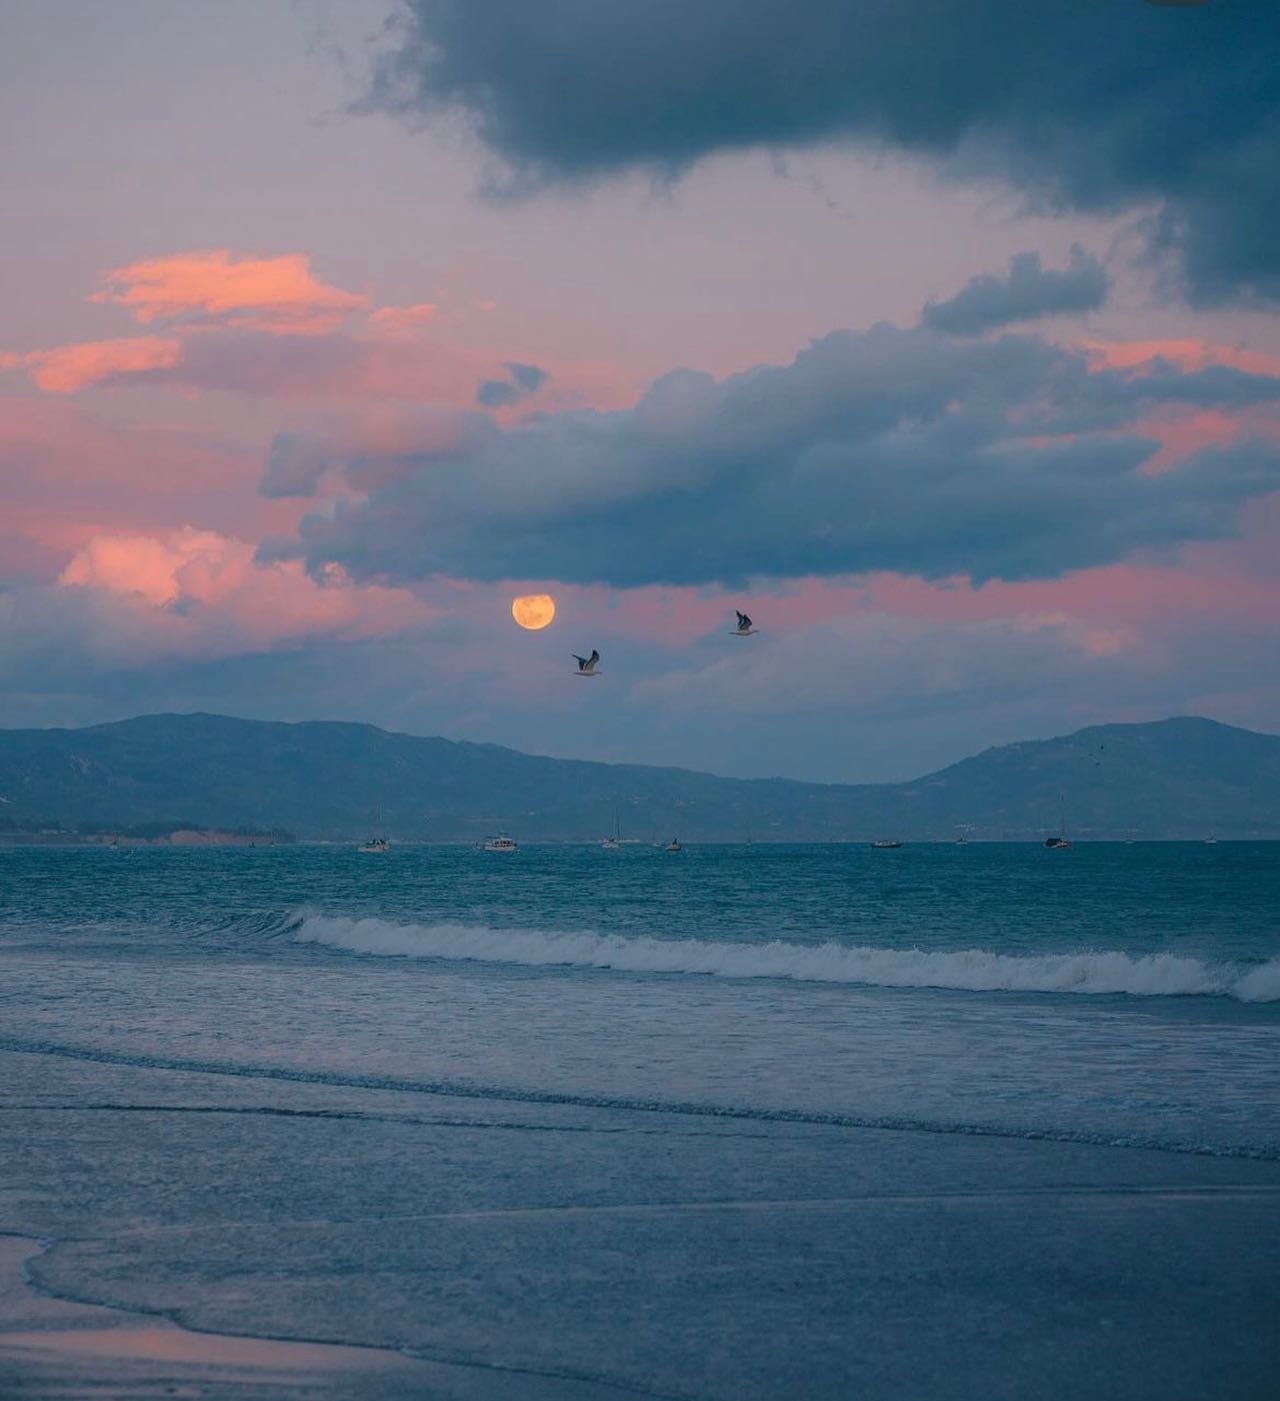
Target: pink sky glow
pixel 380 358
pixel 177 320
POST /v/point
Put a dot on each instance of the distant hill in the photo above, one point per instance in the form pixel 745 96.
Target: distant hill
pixel 1170 778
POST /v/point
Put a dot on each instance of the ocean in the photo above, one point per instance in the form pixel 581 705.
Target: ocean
pixel 754 1120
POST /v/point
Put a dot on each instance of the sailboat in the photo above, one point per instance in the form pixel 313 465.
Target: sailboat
pixel 613 843
pixel 1060 842
pixel 376 845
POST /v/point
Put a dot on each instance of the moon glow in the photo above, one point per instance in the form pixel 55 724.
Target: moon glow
pixel 533 610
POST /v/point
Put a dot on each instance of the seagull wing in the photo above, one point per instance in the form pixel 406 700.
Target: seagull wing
pixel 582 661
pixel 593 658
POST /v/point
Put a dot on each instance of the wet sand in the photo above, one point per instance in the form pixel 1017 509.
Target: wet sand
pixel 55 1347
pixel 198 1235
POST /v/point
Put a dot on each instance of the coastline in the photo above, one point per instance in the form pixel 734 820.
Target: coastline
pixel 494 1251
pixel 55 1346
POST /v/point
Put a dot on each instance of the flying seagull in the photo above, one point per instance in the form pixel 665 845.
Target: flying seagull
pixel 587 665
pixel 744 625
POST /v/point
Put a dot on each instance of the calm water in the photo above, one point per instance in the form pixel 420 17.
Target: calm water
pixel 1111 994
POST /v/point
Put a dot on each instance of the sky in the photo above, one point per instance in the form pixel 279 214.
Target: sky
pixel 941 339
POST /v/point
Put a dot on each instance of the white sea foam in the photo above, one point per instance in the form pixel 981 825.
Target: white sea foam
pixel 1260 984
pixel 973 970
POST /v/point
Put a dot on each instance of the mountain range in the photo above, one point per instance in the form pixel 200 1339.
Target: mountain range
pixel 1187 777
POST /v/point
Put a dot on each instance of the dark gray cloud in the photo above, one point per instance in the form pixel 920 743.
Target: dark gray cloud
pixel 520 383
pixel 888 449
pixel 1029 291
pixel 1095 105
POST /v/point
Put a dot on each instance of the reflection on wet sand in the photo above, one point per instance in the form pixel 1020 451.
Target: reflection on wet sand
pixel 165 1342
pixel 47 1341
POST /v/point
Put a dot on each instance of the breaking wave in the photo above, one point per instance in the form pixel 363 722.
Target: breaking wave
pixel 971 970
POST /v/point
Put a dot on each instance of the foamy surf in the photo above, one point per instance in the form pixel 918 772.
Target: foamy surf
pixel 969 970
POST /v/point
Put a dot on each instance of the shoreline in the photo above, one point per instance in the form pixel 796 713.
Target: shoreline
pixel 69 1344
pixel 572 1255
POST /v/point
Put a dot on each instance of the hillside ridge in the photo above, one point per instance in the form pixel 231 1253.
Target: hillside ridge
pixel 1183 776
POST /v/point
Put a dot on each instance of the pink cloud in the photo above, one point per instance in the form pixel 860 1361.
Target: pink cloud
pixel 1182 429
pixel 1186 354
pixel 68 368
pixel 280 295
pixel 198 592
pixel 401 320
pixel 339 366
pixel 142 565
pixel 68 475
pixel 268 327
pixel 1182 432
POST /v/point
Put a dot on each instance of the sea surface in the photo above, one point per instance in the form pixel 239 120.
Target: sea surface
pixel 651 1032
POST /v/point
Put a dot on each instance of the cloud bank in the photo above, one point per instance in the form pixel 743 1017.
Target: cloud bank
pixel 887 449
pixel 1099 108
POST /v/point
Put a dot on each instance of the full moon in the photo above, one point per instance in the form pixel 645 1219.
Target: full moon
pixel 533 610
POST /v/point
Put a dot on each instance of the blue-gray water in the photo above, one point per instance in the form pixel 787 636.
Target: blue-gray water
pixel 730 1008
pixel 1112 993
